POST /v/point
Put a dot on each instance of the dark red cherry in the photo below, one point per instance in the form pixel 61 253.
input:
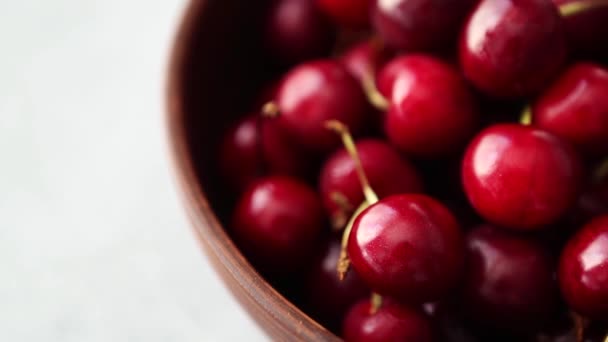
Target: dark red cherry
pixel 257 147
pixel 583 270
pixel 315 92
pixel 387 171
pixel 432 112
pixel 512 48
pixel 346 13
pixel 520 177
pixel 416 25
pixel 575 108
pixel 277 223
pixel 408 247
pixel 365 59
pixel 586 29
pixel 295 30
pixel 392 322
pixel 328 298
pixel 508 281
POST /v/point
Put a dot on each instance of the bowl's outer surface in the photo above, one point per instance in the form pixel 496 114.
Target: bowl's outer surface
pixel 216 65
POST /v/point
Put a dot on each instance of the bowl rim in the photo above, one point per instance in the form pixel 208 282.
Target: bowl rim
pixel 206 225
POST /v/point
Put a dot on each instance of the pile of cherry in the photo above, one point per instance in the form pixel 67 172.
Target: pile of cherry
pixel 440 178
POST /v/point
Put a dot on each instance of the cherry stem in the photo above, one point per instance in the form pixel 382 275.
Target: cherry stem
pixel 606 338
pixel 376 301
pixel 578 7
pixel 270 110
pixel 579 326
pixel 349 144
pixel 339 219
pixel 601 172
pixel 344 262
pixel 526 116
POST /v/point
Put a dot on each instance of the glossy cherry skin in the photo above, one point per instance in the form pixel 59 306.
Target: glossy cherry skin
pixel 295 31
pixel 575 108
pixel 508 280
pixel 277 223
pixel 520 177
pixel 387 171
pixel 512 48
pixel 315 92
pixel 346 13
pixel 586 29
pixel 432 111
pixel 256 147
pixel 419 25
pixel 408 247
pixel 583 270
pixel 365 59
pixel 328 298
pixel 391 323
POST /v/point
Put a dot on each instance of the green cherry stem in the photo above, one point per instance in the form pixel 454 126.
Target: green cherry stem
pixel 574 8
pixel 376 301
pixel 526 116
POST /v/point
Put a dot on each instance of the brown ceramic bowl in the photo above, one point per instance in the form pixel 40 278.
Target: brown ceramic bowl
pixel 216 67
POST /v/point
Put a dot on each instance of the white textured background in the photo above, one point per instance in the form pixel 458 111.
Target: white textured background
pixel 94 245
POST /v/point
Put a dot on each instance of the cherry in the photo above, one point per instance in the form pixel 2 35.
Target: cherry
pixel 408 247
pixel 575 108
pixel 328 298
pixel 314 93
pixel 583 270
pixel 593 202
pixel 277 223
pixel 391 322
pixel 416 25
pixel 585 23
pixel 387 171
pixel 432 112
pixel 256 147
pixel 295 30
pixel 365 59
pixel 512 48
pixel 347 13
pixel 520 177
pixel 508 281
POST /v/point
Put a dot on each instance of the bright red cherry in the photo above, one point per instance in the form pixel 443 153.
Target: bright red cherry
pixel 508 281
pixel 326 297
pixel 315 92
pixel 392 322
pixel 277 223
pixel 583 270
pixel 365 59
pixel 407 247
pixel 295 30
pixel 586 29
pixel 512 48
pixel 575 108
pixel 520 177
pixel 387 171
pixel 432 111
pixel 347 13
pixel 256 147
pixel 419 25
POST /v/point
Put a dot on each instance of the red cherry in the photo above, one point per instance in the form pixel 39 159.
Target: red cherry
pixel 365 59
pixel 347 13
pixel 277 223
pixel 408 247
pixel 295 30
pixel 391 322
pixel 512 48
pixel 508 281
pixel 327 297
pixel 586 29
pixel 520 177
pixel 575 108
pixel 583 270
pixel 387 172
pixel 416 25
pixel 314 93
pixel 432 112
pixel 256 147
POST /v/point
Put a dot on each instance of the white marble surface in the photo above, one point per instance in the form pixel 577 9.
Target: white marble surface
pixel 94 245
